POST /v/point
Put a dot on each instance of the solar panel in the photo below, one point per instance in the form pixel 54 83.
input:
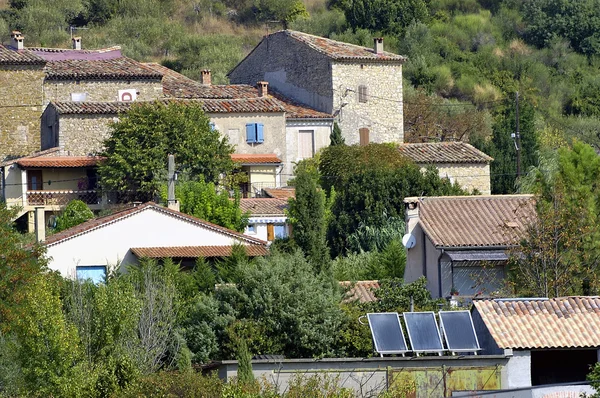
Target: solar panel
pixel 459 331
pixel 423 332
pixel 387 333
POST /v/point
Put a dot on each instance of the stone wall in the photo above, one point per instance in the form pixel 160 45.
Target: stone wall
pixel 382 111
pixel 78 135
pixel 101 90
pixel 469 176
pixel 292 68
pixel 21 103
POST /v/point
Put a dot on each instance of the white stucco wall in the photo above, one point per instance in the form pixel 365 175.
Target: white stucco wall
pixel 518 370
pixel 110 244
pixel 15 185
pixel 260 226
pixel 321 132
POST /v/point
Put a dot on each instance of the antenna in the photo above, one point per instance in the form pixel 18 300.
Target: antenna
pixel 74 28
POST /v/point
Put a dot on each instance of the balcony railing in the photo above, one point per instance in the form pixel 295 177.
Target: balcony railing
pixel 62 198
pixel 255 190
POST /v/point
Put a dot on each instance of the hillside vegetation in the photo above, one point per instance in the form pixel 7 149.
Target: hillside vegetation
pixel 467 58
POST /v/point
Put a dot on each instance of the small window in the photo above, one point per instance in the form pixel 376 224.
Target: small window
pixel 255 133
pixel 212 126
pixel 280 231
pixel 96 274
pixel 363 134
pixel 362 93
pixel 251 229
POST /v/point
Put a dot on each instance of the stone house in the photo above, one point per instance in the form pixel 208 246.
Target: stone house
pixel 461 243
pixel 361 87
pixel 458 161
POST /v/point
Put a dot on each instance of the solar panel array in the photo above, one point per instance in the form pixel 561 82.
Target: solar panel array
pixel 423 332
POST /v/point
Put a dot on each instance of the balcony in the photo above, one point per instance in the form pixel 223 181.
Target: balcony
pixel 60 198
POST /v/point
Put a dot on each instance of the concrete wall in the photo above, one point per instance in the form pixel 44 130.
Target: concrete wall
pixel 21 90
pixel 432 376
pixel 469 176
pixel 109 245
pixel 292 68
pixel 381 113
pixel 321 132
pixel 15 181
pixel 62 178
pixel 518 370
pixel 101 90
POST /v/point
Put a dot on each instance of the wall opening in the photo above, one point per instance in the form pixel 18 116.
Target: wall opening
pixel 561 366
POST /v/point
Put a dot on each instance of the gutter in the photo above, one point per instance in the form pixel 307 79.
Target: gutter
pixel 498 247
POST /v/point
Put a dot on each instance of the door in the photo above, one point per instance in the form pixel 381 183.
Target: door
pixel 363 136
pixel 34 180
pixel 306 144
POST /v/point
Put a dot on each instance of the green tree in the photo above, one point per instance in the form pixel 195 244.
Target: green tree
pixel 336 137
pixel 137 149
pixel 395 296
pixel 75 213
pixel 307 216
pixel 201 199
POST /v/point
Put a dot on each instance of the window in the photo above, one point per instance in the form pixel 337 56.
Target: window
pixel 280 231
pixel 212 126
pixel 34 180
pixel 306 144
pixel 362 93
pixel 255 133
pixel 363 136
pixel 251 229
pixel 96 274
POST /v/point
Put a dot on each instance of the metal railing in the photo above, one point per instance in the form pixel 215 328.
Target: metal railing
pixel 255 190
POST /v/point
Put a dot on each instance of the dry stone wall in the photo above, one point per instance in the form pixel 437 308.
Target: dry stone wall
pixel 99 90
pixel 469 176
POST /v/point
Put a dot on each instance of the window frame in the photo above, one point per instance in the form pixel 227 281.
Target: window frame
pixel 88 268
pixel 363 94
pixel 255 133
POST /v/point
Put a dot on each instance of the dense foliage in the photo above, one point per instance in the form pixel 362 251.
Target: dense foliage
pixel 73 214
pixel 137 149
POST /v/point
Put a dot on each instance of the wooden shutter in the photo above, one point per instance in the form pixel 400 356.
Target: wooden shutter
pixel 250 133
pixel 270 232
pixel 363 136
pixel 260 137
pixel 362 93
pixel 306 144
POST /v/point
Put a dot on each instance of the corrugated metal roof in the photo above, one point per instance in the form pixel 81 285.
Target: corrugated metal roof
pixel 196 251
pixel 443 152
pixel 61 161
pixel 475 221
pixel 264 206
pixel 566 322
pixel 255 158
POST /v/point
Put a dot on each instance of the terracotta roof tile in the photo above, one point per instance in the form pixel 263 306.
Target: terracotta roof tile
pixel 102 69
pixel 244 159
pixel 60 161
pixel 363 291
pixel 443 152
pixel 341 51
pixel 102 221
pixel 50 151
pixel 542 323
pixel 475 221
pixel 252 105
pixel 10 56
pixel 196 251
pixel 281 193
pixel 264 206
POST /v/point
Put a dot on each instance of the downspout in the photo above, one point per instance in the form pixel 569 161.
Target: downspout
pixel 424 254
pixel 440 272
pixel 2 186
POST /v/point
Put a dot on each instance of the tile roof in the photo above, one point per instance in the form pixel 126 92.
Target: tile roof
pixel 363 291
pixel 267 158
pixel 100 69
pixel 264 206
pixel 10 56
pixel 443 152
pixel 250 105
pixel 281 193
pixel 102 221
pixel 565 322
pixel 49 151
pixel 475 221
pixel 60 161
pixel 339 50
pixel 196 251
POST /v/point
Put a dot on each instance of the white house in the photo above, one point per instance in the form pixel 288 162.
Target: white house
pixel 90 249
pixel 268 220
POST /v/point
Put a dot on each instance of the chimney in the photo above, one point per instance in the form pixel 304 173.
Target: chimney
pixel 263 88
pixel 40 224
pixel 378 47
pixel 76 41
pixel 16 40
pixel 205 77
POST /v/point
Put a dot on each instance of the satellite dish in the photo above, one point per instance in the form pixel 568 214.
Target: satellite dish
pixel 409 241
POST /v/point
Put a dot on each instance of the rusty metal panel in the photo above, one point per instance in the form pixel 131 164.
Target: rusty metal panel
pixel 442 381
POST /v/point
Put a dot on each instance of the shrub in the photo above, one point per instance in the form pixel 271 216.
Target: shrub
pixel 75 213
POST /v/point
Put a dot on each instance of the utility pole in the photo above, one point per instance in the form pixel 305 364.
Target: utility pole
pixel 518 136
pixel 172 202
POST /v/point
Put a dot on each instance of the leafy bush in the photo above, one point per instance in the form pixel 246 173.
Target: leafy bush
pixel 75 213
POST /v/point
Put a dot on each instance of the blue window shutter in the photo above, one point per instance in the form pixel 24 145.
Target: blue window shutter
pixel 250 133
pixel 259 132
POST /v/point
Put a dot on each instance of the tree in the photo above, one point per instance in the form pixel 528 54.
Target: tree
pixel 336 137
pixel 201 199
pixel 307 216
pixel 75 213
pixel 137 149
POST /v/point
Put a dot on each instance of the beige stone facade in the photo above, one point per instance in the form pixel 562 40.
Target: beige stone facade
pixel 101 90
pixel 470 176
pixel 21 100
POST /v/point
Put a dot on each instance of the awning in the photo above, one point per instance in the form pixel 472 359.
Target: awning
pixel 477 257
